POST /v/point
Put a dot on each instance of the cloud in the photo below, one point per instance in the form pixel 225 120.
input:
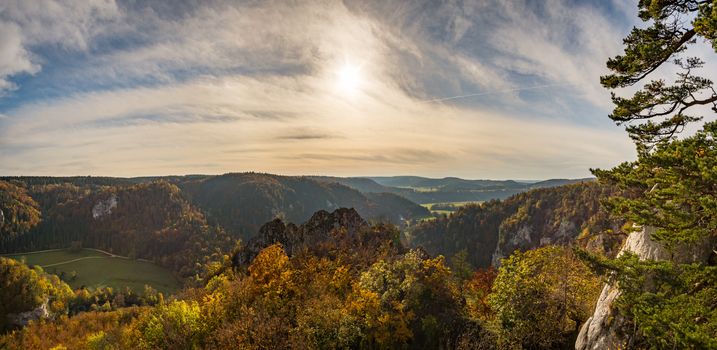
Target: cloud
pixel 25 25
pixel 71 24
pixel 141 88
pixel 372 136
pixel 305 134
pixel 562 44
pixel 428 49
pixel 391 156
pixel 14 58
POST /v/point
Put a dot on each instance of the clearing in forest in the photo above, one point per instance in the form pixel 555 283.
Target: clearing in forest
pixel 94 268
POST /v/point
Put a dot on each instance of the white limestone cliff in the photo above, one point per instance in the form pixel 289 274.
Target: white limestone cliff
pixel 104 207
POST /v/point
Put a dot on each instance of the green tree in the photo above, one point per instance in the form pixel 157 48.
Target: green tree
pixel 462 269
pixel 177 325
pixel 667 305
pixel 660 109
pixel 541 297
pixel 671 186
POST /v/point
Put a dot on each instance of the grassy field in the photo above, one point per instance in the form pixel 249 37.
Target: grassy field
pixel 446 212
pixel 97 269
pixel 456 204
pixel 420 189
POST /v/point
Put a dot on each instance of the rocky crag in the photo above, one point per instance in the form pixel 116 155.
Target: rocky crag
pixel 342 227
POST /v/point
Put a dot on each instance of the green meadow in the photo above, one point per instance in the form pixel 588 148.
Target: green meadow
pixel 94 269
pixel 447 212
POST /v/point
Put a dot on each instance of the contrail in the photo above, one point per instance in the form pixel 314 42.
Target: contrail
pixel 494 92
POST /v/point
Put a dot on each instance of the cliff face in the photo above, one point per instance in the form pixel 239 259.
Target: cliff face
pixel 552 216
pixel 527 238
pixel 601 330
pixel 587 233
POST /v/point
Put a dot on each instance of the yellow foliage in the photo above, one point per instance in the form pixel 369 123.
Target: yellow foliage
pixel 341 278
pixel 213 307
pixel 363 302
pixel 270 265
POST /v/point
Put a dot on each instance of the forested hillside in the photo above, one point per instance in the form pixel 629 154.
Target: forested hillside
pixel 165 220
pixel 241 203
pixel 493 230
pixel 149 220
pixel 159 220
pixel 337 282
pixel 18 212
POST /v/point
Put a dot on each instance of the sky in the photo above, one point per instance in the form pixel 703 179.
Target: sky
pixel 476 89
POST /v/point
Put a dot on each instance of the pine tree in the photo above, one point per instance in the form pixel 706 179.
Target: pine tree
pixel 660 110
pixel 673 184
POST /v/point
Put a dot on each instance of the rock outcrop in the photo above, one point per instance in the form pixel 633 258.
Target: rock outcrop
pixel 104 207
pixel 23 318
pixel 526 238
pixel 322 227
pixel 601 330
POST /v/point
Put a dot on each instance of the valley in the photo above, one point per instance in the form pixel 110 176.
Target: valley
pixel 363 175
pixel 424 190
pixel 176 226
pixel 201 241
pixel 198 238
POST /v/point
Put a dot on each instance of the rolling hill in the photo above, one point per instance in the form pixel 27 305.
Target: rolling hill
pixel 424 190
pixel 72 207
pixel 242 202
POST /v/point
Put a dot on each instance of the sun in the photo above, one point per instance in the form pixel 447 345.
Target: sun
pixel 349 78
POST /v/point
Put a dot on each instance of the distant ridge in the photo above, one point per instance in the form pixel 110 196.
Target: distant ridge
pixel 416 189
pixel 449 189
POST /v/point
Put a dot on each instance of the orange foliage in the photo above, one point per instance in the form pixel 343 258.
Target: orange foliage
pixel 477 290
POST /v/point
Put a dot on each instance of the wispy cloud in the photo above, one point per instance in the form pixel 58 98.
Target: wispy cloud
pixel 441 99
pixel 302 135
pixel 224 86
pixel 24 25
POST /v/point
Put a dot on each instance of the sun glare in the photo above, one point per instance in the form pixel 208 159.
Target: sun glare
pixel 349 78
